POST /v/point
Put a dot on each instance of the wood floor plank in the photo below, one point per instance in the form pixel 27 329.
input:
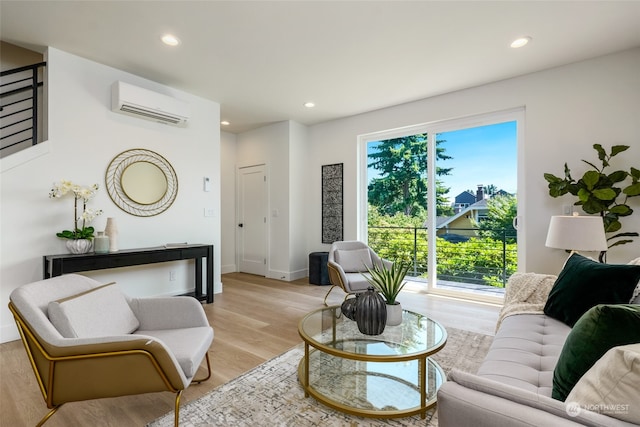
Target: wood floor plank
pixel 255 319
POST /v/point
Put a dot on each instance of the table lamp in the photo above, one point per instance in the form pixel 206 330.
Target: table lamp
pixel 576 233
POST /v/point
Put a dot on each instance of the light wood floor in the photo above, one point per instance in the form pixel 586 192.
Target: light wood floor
pixel 254 319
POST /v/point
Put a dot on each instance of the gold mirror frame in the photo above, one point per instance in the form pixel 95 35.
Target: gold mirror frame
pixel 113 180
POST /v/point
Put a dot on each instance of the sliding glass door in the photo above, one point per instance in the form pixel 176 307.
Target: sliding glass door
pixel 443 197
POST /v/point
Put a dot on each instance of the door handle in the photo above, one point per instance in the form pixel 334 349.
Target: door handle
pixel 241 225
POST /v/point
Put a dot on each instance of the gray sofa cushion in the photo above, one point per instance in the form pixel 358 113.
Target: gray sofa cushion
pixel 525 351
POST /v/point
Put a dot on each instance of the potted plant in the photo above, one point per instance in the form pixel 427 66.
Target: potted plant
pixel 78 239
pixel 389 281
pixel 601 192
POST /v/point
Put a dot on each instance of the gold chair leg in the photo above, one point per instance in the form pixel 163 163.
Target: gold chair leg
pixel 199 380
pixel 49 414
pixel 176 421
pixel 327 295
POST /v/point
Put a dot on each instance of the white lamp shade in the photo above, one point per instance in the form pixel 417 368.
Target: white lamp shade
pixel 577 233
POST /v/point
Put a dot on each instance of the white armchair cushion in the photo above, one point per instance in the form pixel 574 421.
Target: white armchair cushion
pixel 353 261
pixel 189 345
pixel 102 311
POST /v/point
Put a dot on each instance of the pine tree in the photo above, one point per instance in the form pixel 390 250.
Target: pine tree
pixel 402 185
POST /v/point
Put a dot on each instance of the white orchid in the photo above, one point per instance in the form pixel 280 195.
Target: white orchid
pixel 61 188
pixel 79 192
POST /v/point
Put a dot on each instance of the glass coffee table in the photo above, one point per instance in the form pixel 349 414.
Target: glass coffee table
pixel 381 376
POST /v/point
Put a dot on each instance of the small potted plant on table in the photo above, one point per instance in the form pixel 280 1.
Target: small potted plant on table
pixel 389 281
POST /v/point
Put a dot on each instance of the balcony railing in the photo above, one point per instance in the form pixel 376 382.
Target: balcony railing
pixel 469 255
pixel 20 102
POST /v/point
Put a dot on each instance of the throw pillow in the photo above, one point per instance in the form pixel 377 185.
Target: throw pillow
pixel 354 261
pixel 610 387
pixel 583 283
pixel 102 311
pixel 600 329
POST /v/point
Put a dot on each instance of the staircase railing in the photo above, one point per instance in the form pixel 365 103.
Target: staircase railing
pixel 19 104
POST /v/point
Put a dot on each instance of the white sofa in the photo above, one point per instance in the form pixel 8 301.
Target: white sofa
pixel 513 386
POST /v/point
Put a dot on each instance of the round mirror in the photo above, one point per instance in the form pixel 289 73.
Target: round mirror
pixel 143 182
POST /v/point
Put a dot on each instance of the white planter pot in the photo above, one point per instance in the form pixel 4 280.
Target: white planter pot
pixel 394 314
pixel 79 246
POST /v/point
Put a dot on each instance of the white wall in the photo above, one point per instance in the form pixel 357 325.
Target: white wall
pixel 228 142
pixel 84 136
pixel 298 186
pixel 568 109
pixel 269 145
pixel 282 147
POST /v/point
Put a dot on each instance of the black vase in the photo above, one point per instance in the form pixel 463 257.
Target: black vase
pixel 348 307
pixel 371 312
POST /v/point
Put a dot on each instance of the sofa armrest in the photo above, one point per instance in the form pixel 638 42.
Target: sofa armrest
pixel 468 399
pixel 168 313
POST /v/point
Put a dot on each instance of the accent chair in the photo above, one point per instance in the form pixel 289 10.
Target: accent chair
pixel 347 264
pixel 86 340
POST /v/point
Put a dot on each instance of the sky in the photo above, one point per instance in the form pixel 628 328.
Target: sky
pixel 480 155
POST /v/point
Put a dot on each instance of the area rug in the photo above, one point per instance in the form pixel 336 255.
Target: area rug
pixel 270 394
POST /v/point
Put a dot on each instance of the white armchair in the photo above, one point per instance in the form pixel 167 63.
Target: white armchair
pixel 86 340
pixel 347 265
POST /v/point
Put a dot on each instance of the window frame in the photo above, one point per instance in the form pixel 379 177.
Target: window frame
pixel 432 129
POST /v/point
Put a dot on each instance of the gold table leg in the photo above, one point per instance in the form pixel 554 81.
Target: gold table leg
pixel 306 370
pixel 423 387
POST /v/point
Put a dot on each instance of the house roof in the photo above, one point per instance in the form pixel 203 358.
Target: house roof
pixel 465 196
pixel 480 205
pixel 261 60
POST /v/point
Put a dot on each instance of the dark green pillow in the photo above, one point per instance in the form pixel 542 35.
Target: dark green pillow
pixel 583 283
pixel 600 329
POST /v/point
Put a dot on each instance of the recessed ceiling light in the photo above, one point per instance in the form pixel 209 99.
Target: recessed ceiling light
pixel 170 40
pixel 309 104
pixel 519 42
pixel 225 123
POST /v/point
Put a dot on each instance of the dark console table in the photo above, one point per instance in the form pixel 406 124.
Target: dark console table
pixel 56 265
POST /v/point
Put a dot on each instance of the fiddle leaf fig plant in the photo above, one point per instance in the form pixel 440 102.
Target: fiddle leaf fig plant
pixel 601 192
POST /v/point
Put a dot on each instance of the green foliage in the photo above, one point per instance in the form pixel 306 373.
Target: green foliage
pixel 80 233
pixel 499 222
pixel 598 191
pixel 376 219
pixel 389 281
pixel 481 260
pixel 402 186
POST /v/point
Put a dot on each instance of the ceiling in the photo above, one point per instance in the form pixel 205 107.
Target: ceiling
pixel 263 60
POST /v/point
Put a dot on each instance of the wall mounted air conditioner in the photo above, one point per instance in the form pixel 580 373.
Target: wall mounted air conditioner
pixel 145 104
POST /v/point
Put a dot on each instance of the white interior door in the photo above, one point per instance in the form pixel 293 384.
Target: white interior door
pixel 252 220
